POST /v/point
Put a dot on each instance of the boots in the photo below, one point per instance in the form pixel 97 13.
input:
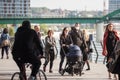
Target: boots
pixel 51 65
pixel 50 71
pixel 88 65
pixel 44 68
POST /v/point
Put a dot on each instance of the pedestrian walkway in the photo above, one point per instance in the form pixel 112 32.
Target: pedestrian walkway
pixel 98 71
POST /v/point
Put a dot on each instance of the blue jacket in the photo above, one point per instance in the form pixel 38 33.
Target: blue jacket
pixel 4 37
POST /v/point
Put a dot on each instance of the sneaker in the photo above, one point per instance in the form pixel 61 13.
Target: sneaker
pixel 31 78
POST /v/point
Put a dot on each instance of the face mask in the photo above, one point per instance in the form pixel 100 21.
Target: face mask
pixel 77 28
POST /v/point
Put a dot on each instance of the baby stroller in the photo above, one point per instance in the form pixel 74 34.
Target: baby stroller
pixel 74 64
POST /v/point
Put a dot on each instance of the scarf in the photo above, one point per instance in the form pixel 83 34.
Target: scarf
pixel 105 40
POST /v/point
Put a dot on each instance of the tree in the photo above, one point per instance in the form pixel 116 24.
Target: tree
pixel 11 31
pixel 3 25
pixel 44 28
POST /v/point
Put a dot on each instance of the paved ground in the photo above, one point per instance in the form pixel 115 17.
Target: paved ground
pixel 98 71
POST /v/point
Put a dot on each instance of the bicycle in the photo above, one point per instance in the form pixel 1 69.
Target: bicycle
pixel 18 76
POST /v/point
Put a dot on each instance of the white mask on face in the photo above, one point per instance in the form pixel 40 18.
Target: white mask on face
pixel 77 28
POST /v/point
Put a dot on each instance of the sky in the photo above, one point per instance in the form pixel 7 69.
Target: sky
pixel 79 5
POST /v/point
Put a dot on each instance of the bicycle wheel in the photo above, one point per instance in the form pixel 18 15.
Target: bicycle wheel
pixel 16 76
pixel 41 75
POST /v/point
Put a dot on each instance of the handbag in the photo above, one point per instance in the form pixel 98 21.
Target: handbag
pixel 91 50
pixel 113 63
pixel 5 43
pixel 111 66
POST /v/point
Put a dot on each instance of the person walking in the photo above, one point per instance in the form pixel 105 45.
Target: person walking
pixel 65 42
pixel 5 43
pixel 78 39
pixel 23 50
pixel 115 60
pixel 50 44
pixel 109 41
pixel 87 39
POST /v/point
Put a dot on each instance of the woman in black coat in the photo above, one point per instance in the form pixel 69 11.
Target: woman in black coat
pixel 109 41
pixel 117 69
pixel 65 41
pixel 87 39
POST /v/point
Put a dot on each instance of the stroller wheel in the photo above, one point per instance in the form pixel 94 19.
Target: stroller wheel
pixel 80 69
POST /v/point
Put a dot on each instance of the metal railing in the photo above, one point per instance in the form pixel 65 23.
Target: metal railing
pixel 105 56
pixel 95 51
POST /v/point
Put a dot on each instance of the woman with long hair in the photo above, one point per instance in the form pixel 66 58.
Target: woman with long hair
pixel 87 39
pixel 109 41
pixel 65 41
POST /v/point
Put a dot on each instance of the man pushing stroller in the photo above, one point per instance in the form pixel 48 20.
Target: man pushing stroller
pixel 76 38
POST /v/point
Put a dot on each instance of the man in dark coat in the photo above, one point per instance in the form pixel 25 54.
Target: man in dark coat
pixel 23 49
pixel 78 38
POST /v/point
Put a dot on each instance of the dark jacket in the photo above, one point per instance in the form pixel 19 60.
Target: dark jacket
pixel 66 41
pixel 25 41
pixel 116 57
pixel 105 41
pixel 78 38
pixel 116 69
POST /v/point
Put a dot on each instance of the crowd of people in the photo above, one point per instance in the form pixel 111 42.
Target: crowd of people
pixel 28 47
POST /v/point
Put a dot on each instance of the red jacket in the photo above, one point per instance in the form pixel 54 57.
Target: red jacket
pixel 105 39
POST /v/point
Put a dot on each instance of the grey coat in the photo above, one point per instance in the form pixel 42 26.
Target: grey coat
pixel 49 43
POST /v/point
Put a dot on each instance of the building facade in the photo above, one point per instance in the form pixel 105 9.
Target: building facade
pixel 114 5
pixel 15 8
